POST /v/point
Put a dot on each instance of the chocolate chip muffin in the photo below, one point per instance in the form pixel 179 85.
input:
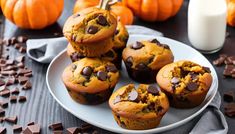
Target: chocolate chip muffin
pixel 144 59
pixel 185 83
pixel 90 80
pixel 138 108
pixel 110 56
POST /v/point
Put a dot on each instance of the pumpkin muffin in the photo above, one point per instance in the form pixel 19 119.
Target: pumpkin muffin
pixel 141 108
pixel 144 59
pixel 186 83
pixel 90 80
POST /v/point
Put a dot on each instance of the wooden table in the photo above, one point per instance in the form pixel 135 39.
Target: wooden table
pixel 43 109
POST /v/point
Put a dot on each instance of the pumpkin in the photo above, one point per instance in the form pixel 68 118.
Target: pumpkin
pixel 124 13
pixel 32 14
pixel 154 10
pixel 231 12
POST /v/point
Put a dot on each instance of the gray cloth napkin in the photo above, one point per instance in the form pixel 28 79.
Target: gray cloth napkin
pixel 211 122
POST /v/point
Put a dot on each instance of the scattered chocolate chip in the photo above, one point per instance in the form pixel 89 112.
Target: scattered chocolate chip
pixel 22 49
pixel 32 129
pixel 192 86
pixel 175 80
pixel 3 130
pixel 229 109
pixel 137 45
pixel 22 39
pixel 153 90
pixel 2 112
pixel 20 58
pixel 117 99
pixel 141 66
pixel 92 30
pixel 13 99
pixel 229 96
pixel 129 61
pixel 73 130
pixel 15 91
pixel 87 71
pixel 22 98
pixel 4 103
pixel 27 85
pixel 133 95
pixel 111 68
pixel 56 126
pixel 22 80
pixel 11 119
pixel 155 41
pixel 102 75
pixel 207 69
pixel 30 123
pixel 5 93
pixel 76 56
pixel 102 20
pixel 17 128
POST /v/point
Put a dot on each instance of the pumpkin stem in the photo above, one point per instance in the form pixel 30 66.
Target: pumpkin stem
pixel 105 4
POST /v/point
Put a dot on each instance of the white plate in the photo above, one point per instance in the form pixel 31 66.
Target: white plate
pixel 101 115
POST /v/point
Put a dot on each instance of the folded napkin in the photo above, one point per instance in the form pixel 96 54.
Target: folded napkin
pixel 44 50
pixel 211 122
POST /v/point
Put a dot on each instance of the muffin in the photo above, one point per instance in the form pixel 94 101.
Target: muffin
pixel 185 83
pixel 110 56
pixel 144 59
pixel 91 30
pixel 90 80
pixel 141 108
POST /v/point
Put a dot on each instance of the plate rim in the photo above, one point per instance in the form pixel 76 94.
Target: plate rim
pixel 154 130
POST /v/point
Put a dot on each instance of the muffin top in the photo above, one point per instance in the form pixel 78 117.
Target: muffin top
pixel 147 54
pixel 90 75
pixel 147 101
pixel 90 25
pixel 184 77
pixel 121 36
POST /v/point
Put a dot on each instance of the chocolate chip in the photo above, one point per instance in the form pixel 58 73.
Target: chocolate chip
pixel 87 71
pixel 92 30
pixel 137 45
pixel 3 130
pixel 22 49
pixel 73 130
pixel 117 99
pixel 22 39
pixel 12 119
pixel 229 96
pixel 133 95
pixel 129 61
pixel 13 99
pixel 153 90
pixel 27 85
pixel 22 80
pixel 56 126
pixel 229 109
pixel 155 41
pixel 111 68
pixel 8 73
pixel 175 80
pixel 17 128
pixel 22 98
pixel 4 103
pixel 207 69
pixel 2 112
pixel 141 66
pixel 17 45
pixel 13 40
pixel 76 56
pixel 165 46
pixel 30 123
pixel 74 66
pixel 32 129
pixel 5 93
pixel 102 75
pixel 102 20
pixel 192 86
pixel 15 91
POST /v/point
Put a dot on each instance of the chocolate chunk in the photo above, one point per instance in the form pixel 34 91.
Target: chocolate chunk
pixel 137 45
pixel 27 85
pixel 24 71
pixel 2 112
pixel 22 49
pixel 207 69
pixel 22 80
pixel 102 20
pixel 133 95
pixel 56 126
pixel 102 75
pixel 17 45
pixel 175 80
pixel 32 129
pixel 111 68
pixel 12 119
pixel 22 98
pixel 229 67
pixel 8 73
pixel 141 66
pixel 13 40
pixel 92 30
pixel 13 99
pixel 22 39
pixel 129 61
pixel 229 109
pixel 20 58
pixel 30 123
pixel 73 130
pixel 117 99
pixel 155 41
pixel 17 128
pixel 192 86
pixel 87 71
pixel 3 130
pixel 231 60
pixel 4 103
pixel 15 91
pixel 5 92
pixel 220 60
pixel 2 82
pixel 229 96
pixel 153 90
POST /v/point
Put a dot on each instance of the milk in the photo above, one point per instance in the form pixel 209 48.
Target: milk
pixel 207 24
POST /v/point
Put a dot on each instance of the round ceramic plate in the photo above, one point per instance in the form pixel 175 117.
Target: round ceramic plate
pixel 101 116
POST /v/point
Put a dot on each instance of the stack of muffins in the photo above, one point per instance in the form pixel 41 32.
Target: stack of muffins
pixel 96 40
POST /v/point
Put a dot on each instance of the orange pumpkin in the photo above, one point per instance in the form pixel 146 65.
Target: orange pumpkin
pixel 32 14
pixel 154 10
pixel 231 12
pixel 124 13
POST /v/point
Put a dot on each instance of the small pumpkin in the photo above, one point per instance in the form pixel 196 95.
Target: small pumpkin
pixel 32 14
pixel 124 13
pixel 154 10
pixel 231 12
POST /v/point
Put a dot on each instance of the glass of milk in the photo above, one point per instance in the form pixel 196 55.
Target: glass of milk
pixel 207 24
